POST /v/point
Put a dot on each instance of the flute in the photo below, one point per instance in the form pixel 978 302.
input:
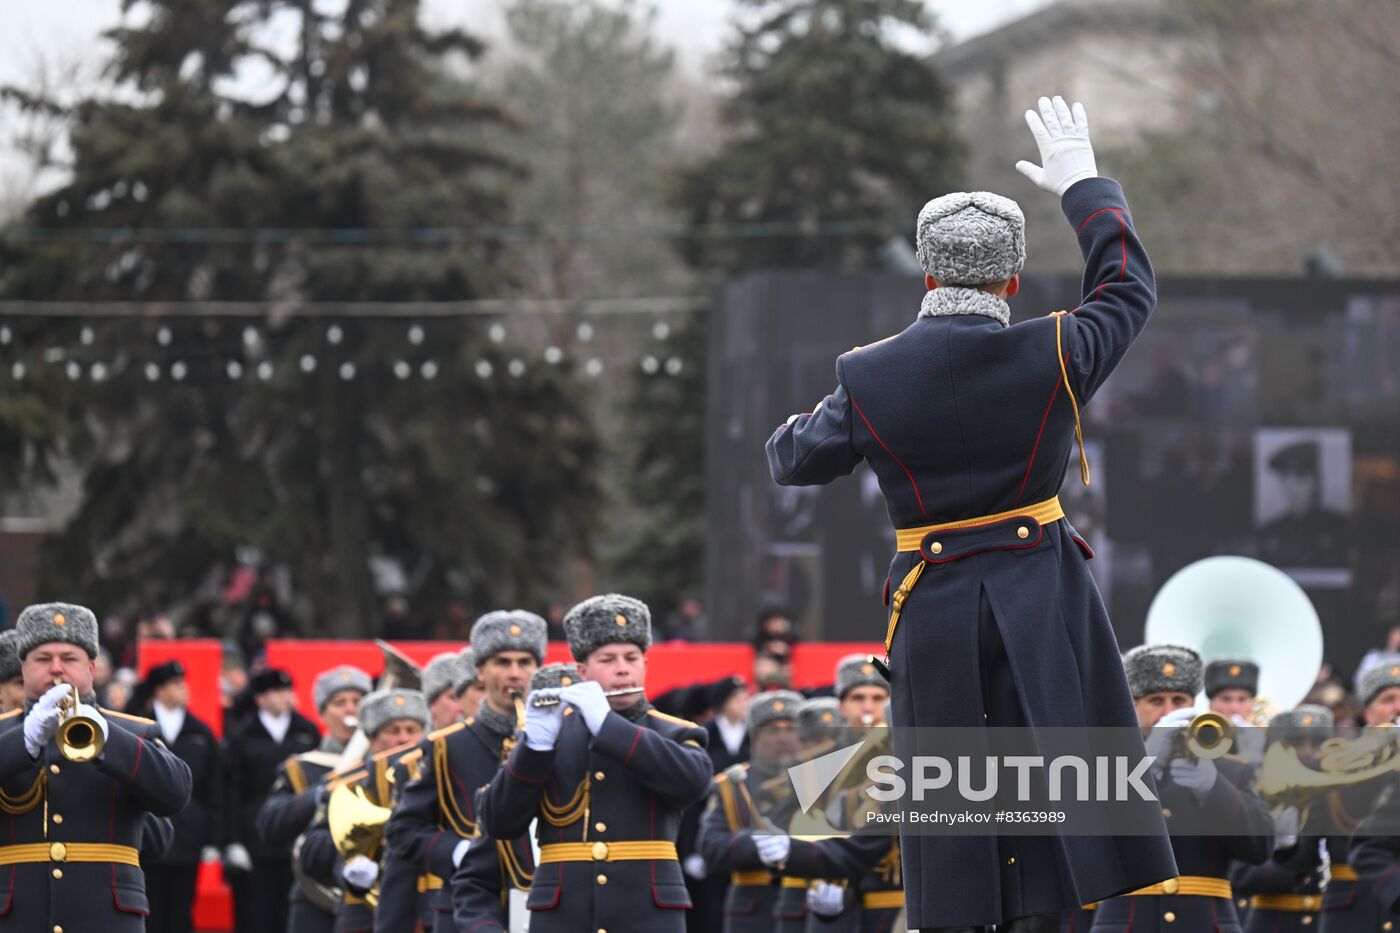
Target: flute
pixel 540 702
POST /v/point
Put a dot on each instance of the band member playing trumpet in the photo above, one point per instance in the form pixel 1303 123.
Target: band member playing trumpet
pixel 298 791
pixel 1195 792
pixel 394 722
pixel 607 780
pixel 436 818
pixel 78 784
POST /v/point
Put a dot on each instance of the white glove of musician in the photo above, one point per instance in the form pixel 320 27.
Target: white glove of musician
pixel 773 850
pixel 237 858
pixel 826 899
pixel 1197 775
pixel 209 854
pixel 92 713
pixel 360 872
pixel 1286 828
pixel 459 852
pixel 586 696
pixel 694 866
pixel 1065 152
pixel 542 724
pixel 42 721
pixel 1162 739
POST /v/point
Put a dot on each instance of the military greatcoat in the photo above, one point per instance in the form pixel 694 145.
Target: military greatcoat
pixel 962 418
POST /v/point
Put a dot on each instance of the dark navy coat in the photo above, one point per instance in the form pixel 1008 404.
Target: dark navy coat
pixel 107 801
pixel 1247 836
pixel 1294 871
pixel 629 783
pixel 1354 906
pixel 1375 854
pixel 288 812
pixel 961 417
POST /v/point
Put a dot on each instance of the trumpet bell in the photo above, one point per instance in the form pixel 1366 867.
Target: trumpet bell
pixel 79 738
pixel 1241 607
pixel 1210 736
pixel 356 824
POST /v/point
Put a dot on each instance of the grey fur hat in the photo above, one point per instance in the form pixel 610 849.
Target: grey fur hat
pixel 855 670
pixel 818 718
pixel 971 238
pixel 1304 722
pixel 607 620
pixel 768 708
pixel 49 622
pixel 9 657
pixel 1231 673
pixel 558 674
pixel 1159 668
pixel 1384 673
pixel 382 707
pixel 509 630
pixel 441 673
pixel 329 683
pixel 466 670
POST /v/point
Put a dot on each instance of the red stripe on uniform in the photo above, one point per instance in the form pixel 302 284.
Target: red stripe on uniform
pixel 890 452
pixel 1059 381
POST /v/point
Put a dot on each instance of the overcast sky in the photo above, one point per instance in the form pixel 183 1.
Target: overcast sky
pixel 68 29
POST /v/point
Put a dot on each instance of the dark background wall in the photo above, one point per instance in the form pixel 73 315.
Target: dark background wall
pixel 1229 374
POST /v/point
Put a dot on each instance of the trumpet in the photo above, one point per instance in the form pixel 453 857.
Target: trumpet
pixel 1209 736
pixel 79 737
pixel 540 702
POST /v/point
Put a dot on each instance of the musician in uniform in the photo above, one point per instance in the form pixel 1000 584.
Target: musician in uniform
pixel 470 689
pixel 71 852
pixel 394 722
pixel 1283 894
pixel 436 817
pixel 608 783
pixel 1197 795
pixel 483 882
pixel 1231 686
pixel 1375 856
pixel 197 830
pixel 1347 905
pixel 440 678
pixel 968 425
pixel 11 677
pixel 298 791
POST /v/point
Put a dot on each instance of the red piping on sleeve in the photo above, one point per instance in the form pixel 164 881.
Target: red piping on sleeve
pixel 871 428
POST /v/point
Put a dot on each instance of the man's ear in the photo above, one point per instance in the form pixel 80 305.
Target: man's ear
pixel 930 282
pixel 1013 286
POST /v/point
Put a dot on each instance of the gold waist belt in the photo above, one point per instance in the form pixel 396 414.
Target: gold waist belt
pixel 69 852
pixel 428 883
pixel 1343 872
pixel 1300 903
pixel 647 850
pixel 795 882
pixel 748 879
pixel 1197 885
pixel 882 900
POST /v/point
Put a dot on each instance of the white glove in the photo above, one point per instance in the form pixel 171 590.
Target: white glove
pixel 542 724
pixel 237 857
pixel 209 854
pixel 1065 151
pixel 360 872
pixel 1240 721
pixel 694 866
pixel 1286 828
pixel 826 899
pixel 1162 739
pixel 773 850
pixel 586 696
pixel 459 852
pixel 42 721
pixel 1196 774
pixel 92 713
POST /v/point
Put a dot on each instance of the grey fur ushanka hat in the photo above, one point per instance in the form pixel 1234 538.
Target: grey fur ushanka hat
pixel 773 706
pixel 56 622
pixel 333 681
pixel 466 670
pixel 558 674
pixel 509 630
pixel 382 707
pixel 1163 668
pixel 1384 673
pixel 607 620
pixel 440 674
pixel 9 657
pixel 857 670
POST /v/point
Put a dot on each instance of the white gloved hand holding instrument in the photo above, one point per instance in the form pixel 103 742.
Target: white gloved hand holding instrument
pixel 1066 156
pixel 826 899
pixel 360 872
pixel 542 723
pixel 586 696
pixel 41 722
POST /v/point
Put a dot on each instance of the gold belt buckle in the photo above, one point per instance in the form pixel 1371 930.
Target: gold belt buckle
pixel 1170 886
pixel 600 851
pixel 58 852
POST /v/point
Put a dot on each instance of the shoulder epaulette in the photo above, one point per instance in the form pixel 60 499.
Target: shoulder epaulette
pixel 448 730
pixel 669 718
pixel 349 777
pixel 11 713
pixel 410 757
pixel 141 719
pixel 391 752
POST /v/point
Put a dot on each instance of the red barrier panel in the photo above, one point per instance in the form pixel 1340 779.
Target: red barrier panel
pixel 213 902
pixel 203 659
pixel 814 663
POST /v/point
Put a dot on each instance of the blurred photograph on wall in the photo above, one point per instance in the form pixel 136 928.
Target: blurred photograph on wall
pixel 1303 502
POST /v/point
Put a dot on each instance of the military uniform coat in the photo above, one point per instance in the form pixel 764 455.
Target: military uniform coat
pixel 1375 854
pixel 481 884
pixel 438 810
pixel 108 801
pixel 961 417
pixel 1248 837
pixel 631 782
pixel 1352 906
pixel 1296 870
pixel 288 812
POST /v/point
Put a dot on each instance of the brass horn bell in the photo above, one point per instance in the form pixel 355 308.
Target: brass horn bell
pixel 357 826
pixel 79 737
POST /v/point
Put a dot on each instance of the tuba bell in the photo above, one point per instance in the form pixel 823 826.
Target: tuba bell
pixel 79 737
pixel 357 827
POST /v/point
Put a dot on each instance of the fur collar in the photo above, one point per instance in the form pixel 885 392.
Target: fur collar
pixel 947 300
